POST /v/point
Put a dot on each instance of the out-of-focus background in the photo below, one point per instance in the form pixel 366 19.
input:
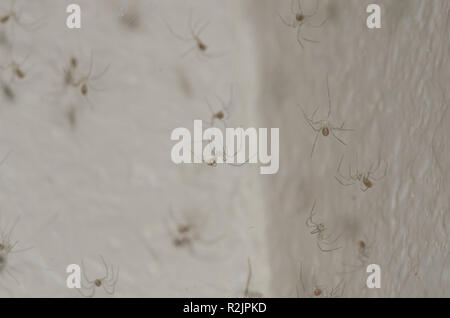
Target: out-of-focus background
pixel 90 176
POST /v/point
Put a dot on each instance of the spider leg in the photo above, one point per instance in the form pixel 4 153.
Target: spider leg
pixel 99 75
pixel 364 190
pixel 299 4
pixel 21 250
pixel 326 250
pixel 339 164
pixel 342 183
pixel 315 9
pixel 383 175
pixel 328 242
pixel 319 25
pixel 309 221
pixel 202 28
pixel 346 179
pixel 111 282
pixel 111 291
pixel 315 142
pixel 292 7
pixel 12 276
pixel 343 129
pixel 299 36
pixel 8 235
pixel 188 51
pixel 340 140
pixel 310 40
pixel 329 99
pixel 336 289
pixel 309 120
pixel 106 268
pixel 83 270
pixel 291 25
pixel 90 295
pixel 176 35
pixel 300 275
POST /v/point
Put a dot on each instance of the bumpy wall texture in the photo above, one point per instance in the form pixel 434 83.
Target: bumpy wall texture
pixel 90 175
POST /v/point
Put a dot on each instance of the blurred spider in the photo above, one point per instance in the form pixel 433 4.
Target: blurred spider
pixel 320 291
pixel 195 31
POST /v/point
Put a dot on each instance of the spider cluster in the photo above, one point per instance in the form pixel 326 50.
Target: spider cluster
pixel 186 233
pixel 12 69
pixel 83 82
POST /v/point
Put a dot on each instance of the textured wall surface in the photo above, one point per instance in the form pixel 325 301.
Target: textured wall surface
pixel 91 175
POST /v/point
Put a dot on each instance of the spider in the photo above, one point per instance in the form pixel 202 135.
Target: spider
pixel 185 233
pixel 319 291
pixel 195 30
pixel 318 229
pixel 224 113
pixel 221 157
pixel 13 15
pixel 108 281
pixel 324 126
pixel 8 247
pixel 82 82
pixel 364 250
pixel 366 179
pixel 69 73
pixel 16 68
pixel 247 292
pixel 85 81
pixel 300 19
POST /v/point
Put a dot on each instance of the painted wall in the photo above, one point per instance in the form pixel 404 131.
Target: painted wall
pixel 91 175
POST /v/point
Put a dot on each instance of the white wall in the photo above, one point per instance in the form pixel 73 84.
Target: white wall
pixel 105 185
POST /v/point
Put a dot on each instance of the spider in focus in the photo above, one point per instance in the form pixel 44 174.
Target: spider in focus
pixel 319 229
pixel 324 126
pixel 300 19
pixel 366 179
pixel 108 281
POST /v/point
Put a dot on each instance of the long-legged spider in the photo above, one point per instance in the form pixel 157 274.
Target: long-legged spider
pixel 366 179
pixel 108 281
pixel 187 232
pixel 223 156
pixel 324 126
pixel 300 19
pixel 83 82
pixel 319 291
pixel 364 250
pixel 319 229
pixel 223 114
pixel 248 293
pixel 17 71
pixel 7 246
pixel 15 16
pixel 196 29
